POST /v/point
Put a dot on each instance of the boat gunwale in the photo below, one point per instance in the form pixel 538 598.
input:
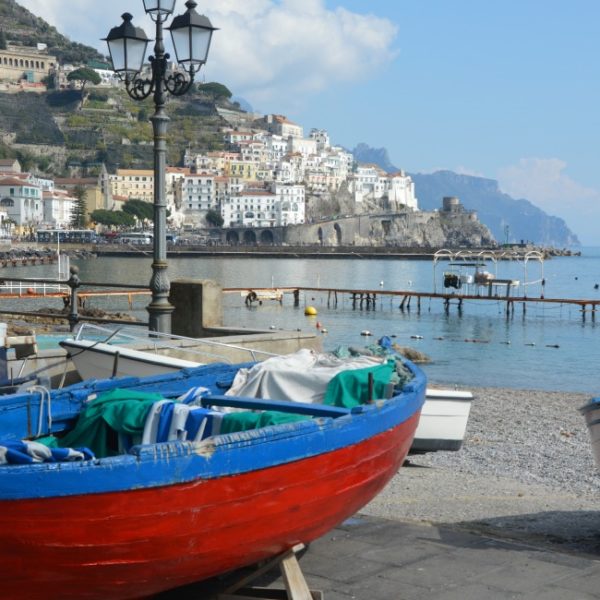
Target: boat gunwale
pixel 151 465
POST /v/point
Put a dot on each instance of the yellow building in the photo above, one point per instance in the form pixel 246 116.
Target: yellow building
pixel 243 170
pixel 135 184
pixel 24 62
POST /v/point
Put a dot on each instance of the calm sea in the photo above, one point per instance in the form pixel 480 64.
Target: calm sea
pixel 550 347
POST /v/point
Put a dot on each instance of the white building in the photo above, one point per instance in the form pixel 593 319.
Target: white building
pixel 401 191
pixel 59 206
pixel 196 196
pixel 301 146
pixel 371 183
pixel 283 205
pixel 276 149
pixel 321 137
pixel 253 151
pixel 280 125
pixel 251 208
pixel 291 203
pixel 22 201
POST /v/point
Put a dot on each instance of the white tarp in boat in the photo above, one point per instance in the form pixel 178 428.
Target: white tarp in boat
pixel 301 377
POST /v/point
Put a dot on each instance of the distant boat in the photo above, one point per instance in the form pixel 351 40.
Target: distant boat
pixel 591 412
pixel 190 501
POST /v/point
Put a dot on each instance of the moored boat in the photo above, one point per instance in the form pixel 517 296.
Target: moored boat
pixel 204 498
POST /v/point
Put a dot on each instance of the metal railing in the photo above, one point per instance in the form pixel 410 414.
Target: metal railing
pixel 68 289
pixel 156 341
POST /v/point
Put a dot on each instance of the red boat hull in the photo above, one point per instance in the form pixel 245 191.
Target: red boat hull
pixel 138 543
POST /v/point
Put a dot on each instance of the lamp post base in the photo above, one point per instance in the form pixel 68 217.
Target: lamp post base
pixel 160 309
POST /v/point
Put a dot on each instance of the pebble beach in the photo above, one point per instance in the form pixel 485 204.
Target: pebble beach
pixel 525 471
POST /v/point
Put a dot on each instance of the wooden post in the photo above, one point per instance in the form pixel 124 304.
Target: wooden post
pixel 296 587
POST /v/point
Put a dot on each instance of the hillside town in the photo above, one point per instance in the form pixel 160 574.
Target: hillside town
pixel 267 176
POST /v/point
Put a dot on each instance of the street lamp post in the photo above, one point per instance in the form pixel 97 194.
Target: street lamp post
pixel 191 34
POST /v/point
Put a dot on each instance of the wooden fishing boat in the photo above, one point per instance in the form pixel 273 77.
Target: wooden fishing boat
pixel 591 412
pixel 166 513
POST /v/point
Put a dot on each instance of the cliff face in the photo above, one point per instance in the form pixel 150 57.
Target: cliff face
pixel 506 217
pixel 427 230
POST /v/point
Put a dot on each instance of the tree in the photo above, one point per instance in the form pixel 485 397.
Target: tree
pixel 83 76
pixel 112 218
pixel 217 91
pixel 144 211
pixel 214 218
pixel 79 215
pixel 2 40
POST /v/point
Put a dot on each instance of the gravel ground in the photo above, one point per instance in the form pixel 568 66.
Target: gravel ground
pixel 525 471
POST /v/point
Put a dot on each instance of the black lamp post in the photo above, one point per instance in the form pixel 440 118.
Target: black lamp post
pixel 191 34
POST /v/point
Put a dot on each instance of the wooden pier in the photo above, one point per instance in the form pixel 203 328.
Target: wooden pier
pixel 359 298
pixel 365 298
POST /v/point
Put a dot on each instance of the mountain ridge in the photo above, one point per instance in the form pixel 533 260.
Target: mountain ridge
pixel 513 220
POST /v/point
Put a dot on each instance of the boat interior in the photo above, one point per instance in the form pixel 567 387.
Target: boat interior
pixel 105 418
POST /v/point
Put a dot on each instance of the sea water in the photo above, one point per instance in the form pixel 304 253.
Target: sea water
pixel 548 347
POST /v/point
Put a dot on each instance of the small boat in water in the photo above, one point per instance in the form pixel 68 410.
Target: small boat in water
pixel 199 483
pixel 591 412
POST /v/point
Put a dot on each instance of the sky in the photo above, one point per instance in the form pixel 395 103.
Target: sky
pixel 507 90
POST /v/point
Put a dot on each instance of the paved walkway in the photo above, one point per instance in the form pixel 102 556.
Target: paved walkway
pixel 369 558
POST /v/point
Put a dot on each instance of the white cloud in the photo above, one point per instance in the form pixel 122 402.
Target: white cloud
pixel 545 183
pixel 275 53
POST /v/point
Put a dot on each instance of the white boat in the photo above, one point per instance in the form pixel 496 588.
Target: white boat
pixel 442 424
pixel 127 352
pixel 443 421
pixel 591 412
pixel 99 360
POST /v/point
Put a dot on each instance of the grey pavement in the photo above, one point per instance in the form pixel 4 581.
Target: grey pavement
pixel 371 558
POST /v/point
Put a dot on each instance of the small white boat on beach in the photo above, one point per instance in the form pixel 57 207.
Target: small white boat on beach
pixel 442 424
pixel 443 421
pixel 591 412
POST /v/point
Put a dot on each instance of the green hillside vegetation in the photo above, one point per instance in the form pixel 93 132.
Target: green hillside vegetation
pixel 110 127
pixel 21 27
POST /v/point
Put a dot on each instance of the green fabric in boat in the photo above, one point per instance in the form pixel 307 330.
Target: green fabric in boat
pixel 243 421
pixel 351 388
pixel 118 412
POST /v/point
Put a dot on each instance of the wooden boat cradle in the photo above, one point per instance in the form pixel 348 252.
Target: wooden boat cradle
pixel 296 587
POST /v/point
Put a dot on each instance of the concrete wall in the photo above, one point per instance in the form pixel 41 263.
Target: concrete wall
pixel 198 306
